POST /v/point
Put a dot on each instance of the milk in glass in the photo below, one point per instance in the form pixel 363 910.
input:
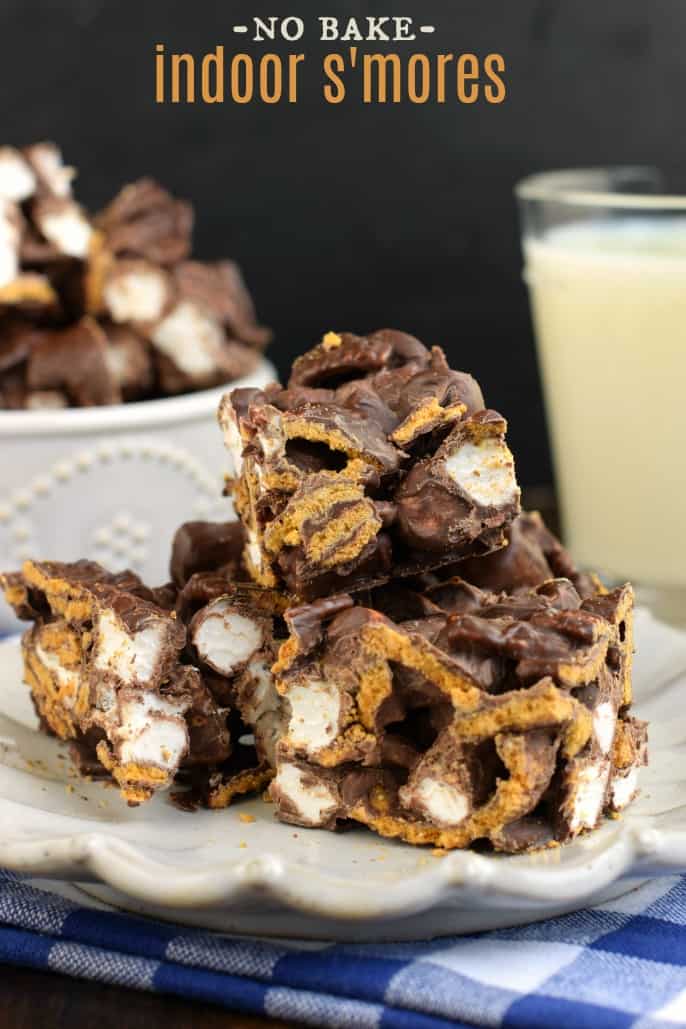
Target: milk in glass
pixel 609 306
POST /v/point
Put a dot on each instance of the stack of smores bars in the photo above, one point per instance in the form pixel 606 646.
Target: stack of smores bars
pixel 383 637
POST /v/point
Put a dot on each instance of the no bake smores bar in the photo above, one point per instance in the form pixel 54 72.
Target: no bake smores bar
pixel 148 685
pixel 466 717
pixel 432 710
pixel 376 460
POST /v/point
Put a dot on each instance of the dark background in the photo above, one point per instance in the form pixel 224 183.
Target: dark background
pixel 357 216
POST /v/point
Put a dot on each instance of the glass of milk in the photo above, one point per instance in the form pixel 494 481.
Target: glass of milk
pixel 605 264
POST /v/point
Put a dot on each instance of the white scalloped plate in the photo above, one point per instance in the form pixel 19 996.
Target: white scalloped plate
pixel 241 871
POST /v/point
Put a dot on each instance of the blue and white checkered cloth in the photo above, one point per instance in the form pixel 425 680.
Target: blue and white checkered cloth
pixel 617 965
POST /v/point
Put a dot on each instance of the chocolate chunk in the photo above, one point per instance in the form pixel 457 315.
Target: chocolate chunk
pixel 209 739
pixel 13 391
pixel 345 356
pixel 75 360
pixel 571 645
pixel 338 357
pixel 145 221
pixel 206 547
pixel 532 556
pixel 306 623
pixel 17 340
pixel 200 590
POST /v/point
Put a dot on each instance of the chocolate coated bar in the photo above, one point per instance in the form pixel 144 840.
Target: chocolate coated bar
pixel 377 460
pixel 479 717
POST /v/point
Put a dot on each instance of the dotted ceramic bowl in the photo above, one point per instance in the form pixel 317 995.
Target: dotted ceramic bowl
pixel 111 483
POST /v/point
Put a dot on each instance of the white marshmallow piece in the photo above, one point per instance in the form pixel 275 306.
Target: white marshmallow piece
pixel 604 724
pixel 272 439
pixel 484 471
pixel 226 639
pixel 118 364
pixel 191 339
pixel 232 439
pixel 67 228
pixel 314 803
pixel 46 160
pixel 17 180
pixel 253 551
pixel 623 788
pixel 588 795
pixel 9 242
pixel 152 731
pixel 46 400
pixel 442 803
pixel 133 659
pixel 315 708
pixel 135 294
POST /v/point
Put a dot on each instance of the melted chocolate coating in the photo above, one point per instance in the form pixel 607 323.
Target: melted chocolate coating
pixel 532 556
pixel 146 221
pixel 206 547
pixel 75 360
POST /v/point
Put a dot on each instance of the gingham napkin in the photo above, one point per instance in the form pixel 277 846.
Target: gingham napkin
pixel 616 965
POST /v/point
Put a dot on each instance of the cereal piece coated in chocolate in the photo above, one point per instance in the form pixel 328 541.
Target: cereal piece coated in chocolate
pixel 146 221
pixel 75 360
pixel 532 556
